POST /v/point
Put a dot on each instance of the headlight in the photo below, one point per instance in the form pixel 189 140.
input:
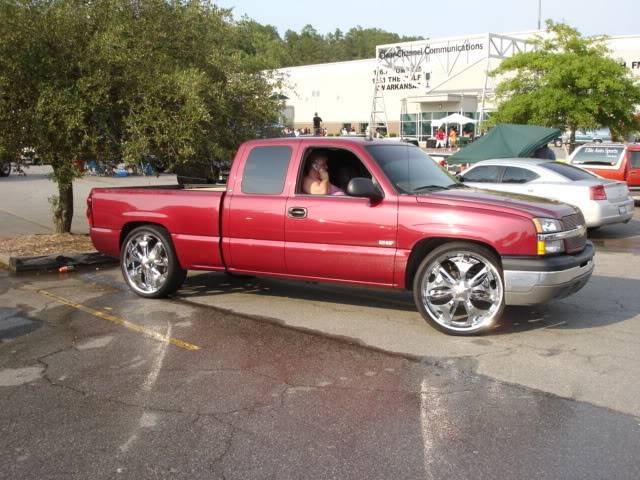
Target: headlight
pixel 547 225
pixel 547 244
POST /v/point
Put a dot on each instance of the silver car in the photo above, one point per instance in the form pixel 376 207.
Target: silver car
pixel 601 201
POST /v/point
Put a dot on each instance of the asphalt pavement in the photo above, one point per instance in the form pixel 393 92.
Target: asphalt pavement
pixel 24 205
pixel 97 383
pixel 264 378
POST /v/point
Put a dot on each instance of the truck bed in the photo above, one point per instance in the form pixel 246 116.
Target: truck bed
pixel 191 215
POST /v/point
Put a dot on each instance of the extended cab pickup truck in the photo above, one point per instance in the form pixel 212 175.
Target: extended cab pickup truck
pixel 402 222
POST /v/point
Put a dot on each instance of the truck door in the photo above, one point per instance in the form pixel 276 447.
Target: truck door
pixel 633 173
pixel 339 237
pixel 255 220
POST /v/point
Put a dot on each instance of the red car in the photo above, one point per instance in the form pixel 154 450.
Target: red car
pixel 400 222
pixel 615 161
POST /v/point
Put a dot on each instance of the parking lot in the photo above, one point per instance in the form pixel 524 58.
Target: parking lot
pixel 263 378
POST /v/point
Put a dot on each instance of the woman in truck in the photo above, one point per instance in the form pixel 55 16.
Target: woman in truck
pixel 316 179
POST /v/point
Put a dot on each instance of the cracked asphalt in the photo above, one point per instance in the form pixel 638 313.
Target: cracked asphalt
pixel 84 397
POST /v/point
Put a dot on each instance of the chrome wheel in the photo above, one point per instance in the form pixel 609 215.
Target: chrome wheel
pixel 462 291
pixel 146 263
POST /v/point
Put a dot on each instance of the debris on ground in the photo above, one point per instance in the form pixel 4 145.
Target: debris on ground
pixel 45 244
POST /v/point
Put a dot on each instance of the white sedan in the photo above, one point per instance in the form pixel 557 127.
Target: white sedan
pixel 601 201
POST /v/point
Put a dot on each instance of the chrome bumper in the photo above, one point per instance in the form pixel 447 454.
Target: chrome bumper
pixel 557 277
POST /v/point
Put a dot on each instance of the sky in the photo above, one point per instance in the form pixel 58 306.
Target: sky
pixel 431 19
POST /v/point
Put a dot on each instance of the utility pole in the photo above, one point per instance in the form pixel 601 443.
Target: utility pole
pixel 539 14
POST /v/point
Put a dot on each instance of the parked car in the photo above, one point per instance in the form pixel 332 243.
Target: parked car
pixel 5 169
pixel 401 222
pixel 617 161
pixel 601 201
pixel 598 135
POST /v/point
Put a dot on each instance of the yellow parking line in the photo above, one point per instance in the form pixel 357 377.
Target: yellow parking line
pixel 117 320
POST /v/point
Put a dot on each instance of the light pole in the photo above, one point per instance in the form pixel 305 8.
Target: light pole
pixel 539 14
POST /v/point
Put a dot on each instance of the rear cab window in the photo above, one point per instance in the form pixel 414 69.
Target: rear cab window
pixel 569 171
pixel 265 170
pixel 634 159
pixel 600 155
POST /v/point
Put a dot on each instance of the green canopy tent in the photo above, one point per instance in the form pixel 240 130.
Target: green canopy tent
pixel 506 140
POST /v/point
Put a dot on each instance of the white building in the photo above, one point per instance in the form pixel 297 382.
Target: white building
pixel 418 82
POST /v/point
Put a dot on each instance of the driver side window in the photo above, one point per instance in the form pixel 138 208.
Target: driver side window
pixel 328 171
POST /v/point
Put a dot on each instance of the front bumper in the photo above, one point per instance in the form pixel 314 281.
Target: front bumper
pixel 532 280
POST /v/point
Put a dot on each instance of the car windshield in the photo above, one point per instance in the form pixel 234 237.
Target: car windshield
pixel 410 169
pixel 590 155
pixel 569 171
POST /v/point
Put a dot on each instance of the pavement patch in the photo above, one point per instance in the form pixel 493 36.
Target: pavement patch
pixel 11 377
pixel 117 320
pixel 99 342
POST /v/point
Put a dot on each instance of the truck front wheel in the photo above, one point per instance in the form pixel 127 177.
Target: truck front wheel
pixel 149 263
pixel 458 288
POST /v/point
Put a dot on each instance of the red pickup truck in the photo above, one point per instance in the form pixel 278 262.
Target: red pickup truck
pixel 401 222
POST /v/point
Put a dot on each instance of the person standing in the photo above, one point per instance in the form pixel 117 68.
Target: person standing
pixel 317 122
pixel 453 138
pixel 440 140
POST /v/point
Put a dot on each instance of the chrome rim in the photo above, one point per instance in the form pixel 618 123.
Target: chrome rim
pixel 146 263
pixel 462 291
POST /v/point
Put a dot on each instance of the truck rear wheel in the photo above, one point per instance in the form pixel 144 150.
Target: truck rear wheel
pixel 459 289
pixel 149 263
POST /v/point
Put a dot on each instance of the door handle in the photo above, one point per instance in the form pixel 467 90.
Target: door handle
pixel 297 212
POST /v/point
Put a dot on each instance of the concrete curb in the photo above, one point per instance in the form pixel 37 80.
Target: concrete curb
pixel 53 262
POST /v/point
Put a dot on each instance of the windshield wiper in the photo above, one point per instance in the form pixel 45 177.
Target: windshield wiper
pixel 429 187
pixel 457 185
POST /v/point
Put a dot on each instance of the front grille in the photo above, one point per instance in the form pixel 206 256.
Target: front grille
pixel 571 222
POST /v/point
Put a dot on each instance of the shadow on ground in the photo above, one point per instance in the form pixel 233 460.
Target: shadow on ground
pixel 602 302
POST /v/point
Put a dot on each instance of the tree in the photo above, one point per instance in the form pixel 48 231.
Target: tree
pixel 118 80
pixel 568 81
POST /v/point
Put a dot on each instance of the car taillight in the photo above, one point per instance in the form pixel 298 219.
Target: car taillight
pixel 597 192
pixel 90 210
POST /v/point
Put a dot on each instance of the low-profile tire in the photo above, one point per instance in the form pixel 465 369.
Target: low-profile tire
pixel 149 263
pixel 5 169
pixel 459 288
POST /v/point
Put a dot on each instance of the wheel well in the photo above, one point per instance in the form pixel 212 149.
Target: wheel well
pixel 422 248
pixel 130 226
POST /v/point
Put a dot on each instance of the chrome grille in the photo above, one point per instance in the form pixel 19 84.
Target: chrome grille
pixel 571 222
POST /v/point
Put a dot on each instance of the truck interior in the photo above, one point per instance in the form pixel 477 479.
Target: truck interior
pixel 342 164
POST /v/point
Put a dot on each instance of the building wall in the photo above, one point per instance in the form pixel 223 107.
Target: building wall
pixel 342 92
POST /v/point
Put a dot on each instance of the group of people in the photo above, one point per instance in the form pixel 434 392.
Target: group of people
pixel 295 132
pixel 441 137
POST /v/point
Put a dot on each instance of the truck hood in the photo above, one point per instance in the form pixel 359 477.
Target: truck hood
pixel 499 201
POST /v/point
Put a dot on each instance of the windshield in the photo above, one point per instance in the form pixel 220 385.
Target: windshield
pixel 597 155
pixel 410 169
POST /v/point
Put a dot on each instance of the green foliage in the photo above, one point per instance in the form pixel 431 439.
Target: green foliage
pixel 568 82
pixel 310 47
pixel 119 79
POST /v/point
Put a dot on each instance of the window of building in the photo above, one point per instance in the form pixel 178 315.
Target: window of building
pixel 265 170
pixel 518 175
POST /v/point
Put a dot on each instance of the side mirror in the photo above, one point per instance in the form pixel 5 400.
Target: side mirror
pixel 364 187
pixel 459 177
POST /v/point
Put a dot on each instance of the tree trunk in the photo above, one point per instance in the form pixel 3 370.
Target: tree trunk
pixel 63 210
pixel 572 140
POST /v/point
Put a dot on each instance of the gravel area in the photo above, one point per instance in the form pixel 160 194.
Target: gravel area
pixel 46 244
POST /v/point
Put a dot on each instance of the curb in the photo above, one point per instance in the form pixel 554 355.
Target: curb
pixel 53 262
